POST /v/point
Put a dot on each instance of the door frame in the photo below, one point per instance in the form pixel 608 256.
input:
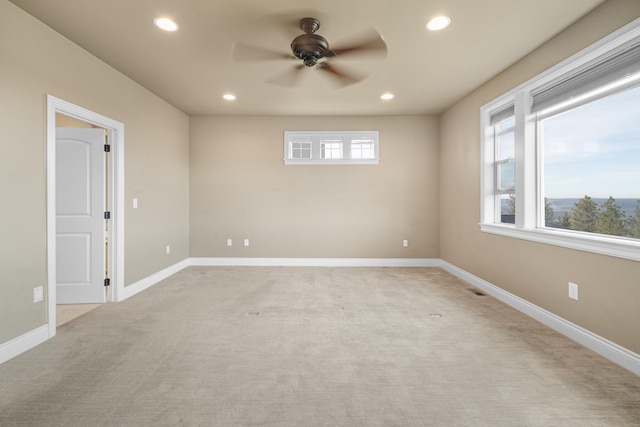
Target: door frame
pixel 115 181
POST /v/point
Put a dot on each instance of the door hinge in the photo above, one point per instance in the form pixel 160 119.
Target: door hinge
pixel 107 215
pixel 107 281
pixel 107 148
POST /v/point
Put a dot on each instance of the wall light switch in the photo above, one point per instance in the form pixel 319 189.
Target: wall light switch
pixel 168 249
pixel 229 242
pixel 135 203
pixel 573 291
pixel 246 242
pixel 405 243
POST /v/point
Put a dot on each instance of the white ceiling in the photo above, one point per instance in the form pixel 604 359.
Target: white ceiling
pixel 193 67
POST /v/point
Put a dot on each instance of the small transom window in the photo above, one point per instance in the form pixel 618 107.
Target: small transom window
pixel 322 147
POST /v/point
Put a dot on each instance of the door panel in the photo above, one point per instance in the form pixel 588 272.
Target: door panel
pixel 73 176
pixel 74 246
pixel 80 249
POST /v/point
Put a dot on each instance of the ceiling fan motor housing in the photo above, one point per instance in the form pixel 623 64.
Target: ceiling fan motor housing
pixel 309 48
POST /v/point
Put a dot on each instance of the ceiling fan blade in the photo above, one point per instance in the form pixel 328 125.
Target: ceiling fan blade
pixel 368 43
pixel 340 75
pixel 247 53
pixel 289 78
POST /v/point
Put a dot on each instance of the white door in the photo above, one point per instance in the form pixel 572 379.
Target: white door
pixel 80 224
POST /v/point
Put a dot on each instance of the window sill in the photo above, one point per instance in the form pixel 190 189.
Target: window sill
pixel 331 162
pixel 599 244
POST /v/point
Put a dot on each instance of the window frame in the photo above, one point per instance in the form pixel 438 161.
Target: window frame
pixel 317 138
pixel 530 218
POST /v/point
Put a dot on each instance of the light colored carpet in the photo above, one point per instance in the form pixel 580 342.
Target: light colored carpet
pixel 268 346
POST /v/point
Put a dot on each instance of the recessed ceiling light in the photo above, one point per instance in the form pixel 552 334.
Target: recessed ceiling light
pixel 165 24
pixel 386 96
pixel 438 23
pixel 229 97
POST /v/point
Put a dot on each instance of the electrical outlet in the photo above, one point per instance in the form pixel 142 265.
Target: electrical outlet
pixel 229 242
pixel 405 243
pixel 573 291
pixel 38 294
pixel 135 203
pixel 246 242
pixel 168 249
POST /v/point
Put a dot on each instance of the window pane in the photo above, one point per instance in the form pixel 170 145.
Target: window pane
pixel 300 150
pixel 506 176
pixel 331 149
pixel 506 146
pixel 507 208
pixel 505 170
pixel 591 161
pixel 509 123
pixel 362 149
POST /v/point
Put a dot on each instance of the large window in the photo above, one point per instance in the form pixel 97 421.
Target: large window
pixel 561 153
pixel 322 148
pixel 591 166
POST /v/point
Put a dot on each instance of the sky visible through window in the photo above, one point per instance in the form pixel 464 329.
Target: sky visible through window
pixel 594 149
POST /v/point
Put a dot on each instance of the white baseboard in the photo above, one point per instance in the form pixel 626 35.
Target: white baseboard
pixel 24 342
pixel 149 281
pixel 617 354
pixel 315 262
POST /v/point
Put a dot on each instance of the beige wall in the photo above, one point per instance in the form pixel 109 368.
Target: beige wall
pixel 426 188
pixel 609 287
pixel 36 61
pixel 240 188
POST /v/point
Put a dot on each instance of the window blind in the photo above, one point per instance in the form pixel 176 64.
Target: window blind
pixel 501 114
pixel 609 68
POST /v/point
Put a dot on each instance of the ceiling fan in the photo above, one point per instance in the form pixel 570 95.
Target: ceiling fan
pixel 314 51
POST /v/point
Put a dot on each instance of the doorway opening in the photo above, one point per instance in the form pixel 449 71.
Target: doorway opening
pixel 96 238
